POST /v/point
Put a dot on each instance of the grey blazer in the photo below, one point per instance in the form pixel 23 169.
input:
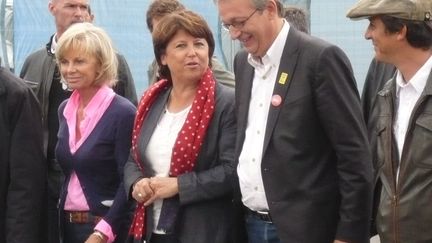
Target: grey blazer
pixel 205 194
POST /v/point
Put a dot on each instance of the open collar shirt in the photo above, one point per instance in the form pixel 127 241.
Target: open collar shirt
pixel 249 167
pixel 407 95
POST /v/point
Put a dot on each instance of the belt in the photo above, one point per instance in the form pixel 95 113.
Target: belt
pixel 262 216
pixel 81 217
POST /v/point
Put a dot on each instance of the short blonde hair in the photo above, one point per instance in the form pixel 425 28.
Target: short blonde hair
pixel 91 41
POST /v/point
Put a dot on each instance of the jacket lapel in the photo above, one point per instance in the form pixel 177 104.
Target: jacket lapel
pixel 420 107
pixel 151 120
pixel 244 74
pixel 385 102
pixel 283 80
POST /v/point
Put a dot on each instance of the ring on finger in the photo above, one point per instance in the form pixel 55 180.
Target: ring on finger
pixel 140 195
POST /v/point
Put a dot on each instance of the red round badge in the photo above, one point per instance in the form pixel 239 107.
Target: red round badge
pixel 276 100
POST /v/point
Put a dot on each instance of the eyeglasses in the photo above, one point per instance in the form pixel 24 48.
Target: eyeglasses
pixel 238 24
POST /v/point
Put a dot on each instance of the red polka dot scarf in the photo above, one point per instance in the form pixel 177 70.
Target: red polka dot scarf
pixel 188 142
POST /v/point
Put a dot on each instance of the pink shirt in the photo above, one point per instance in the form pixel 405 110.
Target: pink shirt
pixel 75 199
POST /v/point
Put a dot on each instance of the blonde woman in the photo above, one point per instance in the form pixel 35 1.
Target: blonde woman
pixel 94 139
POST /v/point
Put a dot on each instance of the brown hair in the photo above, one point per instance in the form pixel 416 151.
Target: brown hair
pixel 160 8
pixel 167 28
pixel 297 17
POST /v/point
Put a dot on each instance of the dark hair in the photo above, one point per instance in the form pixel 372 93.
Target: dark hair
pixel 280 8
pixel 160 8
pixel 419 35
pixel 297 17
pixel 191 23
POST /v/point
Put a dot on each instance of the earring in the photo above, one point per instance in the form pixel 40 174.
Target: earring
pixel 65 85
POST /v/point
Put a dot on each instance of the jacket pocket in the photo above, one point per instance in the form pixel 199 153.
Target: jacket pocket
pixel 381 145
pixel 421 144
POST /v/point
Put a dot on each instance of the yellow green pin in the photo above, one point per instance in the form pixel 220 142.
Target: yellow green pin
pixel 283 78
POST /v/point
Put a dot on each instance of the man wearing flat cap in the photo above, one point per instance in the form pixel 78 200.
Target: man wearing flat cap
pixel 401 134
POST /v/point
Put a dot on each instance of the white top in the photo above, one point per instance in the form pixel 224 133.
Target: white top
pixel 407 95
pixel 54 43
pixel 249 167
pixel 159 150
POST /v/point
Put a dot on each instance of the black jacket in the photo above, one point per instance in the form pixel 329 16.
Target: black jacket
pixel 22 165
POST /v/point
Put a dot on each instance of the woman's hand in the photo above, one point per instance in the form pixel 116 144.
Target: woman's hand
pixel 142 191
pixel 163 187
pixel 94 238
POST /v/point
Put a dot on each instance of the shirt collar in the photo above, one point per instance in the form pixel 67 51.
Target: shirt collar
pixel 418 81
pixel 274 53
pixel 103 93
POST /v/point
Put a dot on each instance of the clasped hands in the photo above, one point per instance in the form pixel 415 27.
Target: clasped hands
pixel 147 190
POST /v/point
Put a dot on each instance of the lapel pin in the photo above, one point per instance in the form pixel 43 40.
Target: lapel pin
pixel 276 100
pixel 283 77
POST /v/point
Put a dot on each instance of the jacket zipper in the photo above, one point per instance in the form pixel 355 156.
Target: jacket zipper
pixel 395 216
pixel 390 158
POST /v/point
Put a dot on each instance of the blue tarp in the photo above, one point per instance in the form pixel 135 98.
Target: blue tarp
pixel 124 20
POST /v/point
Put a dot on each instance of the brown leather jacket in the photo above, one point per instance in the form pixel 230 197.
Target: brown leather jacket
pixel 404 212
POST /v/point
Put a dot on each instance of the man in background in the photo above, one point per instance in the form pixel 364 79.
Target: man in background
pixel 297 17
pixel 42 74
pixel 125 85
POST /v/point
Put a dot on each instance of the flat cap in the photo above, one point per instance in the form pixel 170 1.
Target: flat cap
pixel 416 10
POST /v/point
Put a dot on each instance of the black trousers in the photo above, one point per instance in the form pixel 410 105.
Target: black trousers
pixel 159 238
pixel 74 233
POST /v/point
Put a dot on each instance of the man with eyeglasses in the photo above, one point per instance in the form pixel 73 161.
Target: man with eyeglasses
pixel 304 163
pixel 238 24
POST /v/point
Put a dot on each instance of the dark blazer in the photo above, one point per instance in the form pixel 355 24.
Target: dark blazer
pixel 316 164
pixel 205 194
pixel 22 164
